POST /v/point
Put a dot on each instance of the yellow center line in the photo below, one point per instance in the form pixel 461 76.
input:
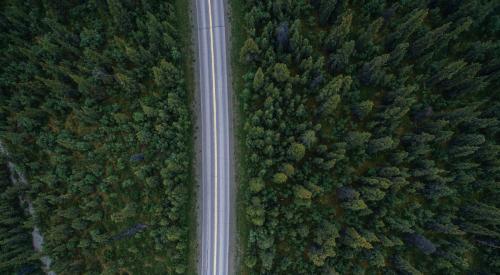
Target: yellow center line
pixel 214 99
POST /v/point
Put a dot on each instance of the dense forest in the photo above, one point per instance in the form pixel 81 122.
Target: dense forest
pixel 371 129
pixel 16 251
pixel 94 110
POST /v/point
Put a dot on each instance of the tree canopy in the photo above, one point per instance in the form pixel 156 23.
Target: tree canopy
pixel 94 109
pixel 387 115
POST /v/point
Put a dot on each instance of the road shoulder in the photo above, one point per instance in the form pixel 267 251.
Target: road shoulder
pixel 196 109
pixel 185 11
pixel 233 260
pixel 234 41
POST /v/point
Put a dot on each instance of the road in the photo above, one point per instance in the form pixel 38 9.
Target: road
pixel 215 137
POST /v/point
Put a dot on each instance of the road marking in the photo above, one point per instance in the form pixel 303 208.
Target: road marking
pixel 215 135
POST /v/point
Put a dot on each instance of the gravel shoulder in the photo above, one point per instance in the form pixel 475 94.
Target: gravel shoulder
pixel 232 136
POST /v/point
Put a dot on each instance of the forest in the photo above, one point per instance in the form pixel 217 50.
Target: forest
pixel 371 132
pixel 16 250
pixel 94 111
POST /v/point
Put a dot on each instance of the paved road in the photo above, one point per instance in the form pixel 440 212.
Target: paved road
pixel 215 137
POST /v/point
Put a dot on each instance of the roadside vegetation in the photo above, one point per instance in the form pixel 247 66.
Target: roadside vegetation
pixel 94 109
pixel 237 39
pixel 371 134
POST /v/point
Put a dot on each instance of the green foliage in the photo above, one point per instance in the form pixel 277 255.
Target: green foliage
pixel 297 151
pixel 94 108
pixel 258 79
pixel 249 52
pixel 280 178
pixel 384 118
pixel 16 251
pixel 280 72
pixel 354 240
pixel 256 185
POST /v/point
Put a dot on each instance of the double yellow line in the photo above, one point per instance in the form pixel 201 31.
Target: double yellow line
pixel 214 99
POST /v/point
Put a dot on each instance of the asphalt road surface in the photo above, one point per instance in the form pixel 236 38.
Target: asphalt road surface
pixel 215 138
